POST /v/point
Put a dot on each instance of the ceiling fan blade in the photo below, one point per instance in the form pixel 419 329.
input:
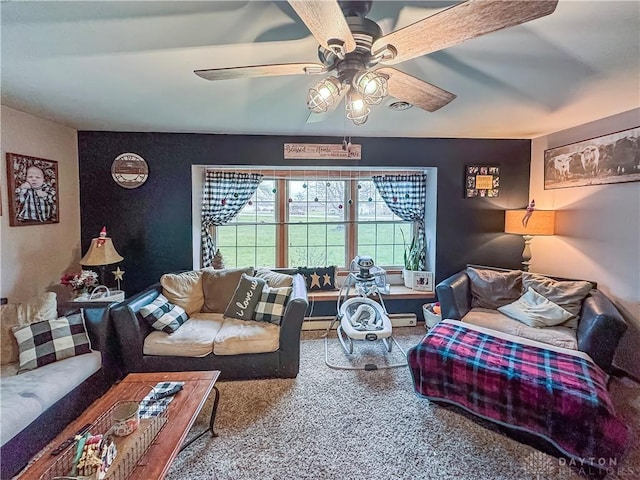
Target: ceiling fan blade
pixel 458 24
pixel 262 71
pixel 413 90
pixel 325 21
pixel 322 116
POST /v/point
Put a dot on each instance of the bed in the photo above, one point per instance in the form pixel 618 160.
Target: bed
pixel 554 393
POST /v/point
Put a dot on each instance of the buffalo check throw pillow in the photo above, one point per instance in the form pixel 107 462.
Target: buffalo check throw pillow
pixel 42 343
pixel 163 315
pixel 272 304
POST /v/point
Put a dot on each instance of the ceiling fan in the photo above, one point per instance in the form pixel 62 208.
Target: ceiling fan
pixel 355 50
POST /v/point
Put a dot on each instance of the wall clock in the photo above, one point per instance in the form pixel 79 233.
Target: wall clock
pixel 129 170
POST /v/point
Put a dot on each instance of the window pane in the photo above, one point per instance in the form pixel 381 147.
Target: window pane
pixel 265 257
pixel 266 236
pixel 246 235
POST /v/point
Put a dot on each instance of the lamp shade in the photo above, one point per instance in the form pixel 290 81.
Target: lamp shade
pixel 101 252
pixel 541 222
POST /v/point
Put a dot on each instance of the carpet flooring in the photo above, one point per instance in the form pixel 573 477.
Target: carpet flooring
pixel 354 424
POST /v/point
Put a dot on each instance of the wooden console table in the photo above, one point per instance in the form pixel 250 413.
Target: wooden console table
pixel 181 414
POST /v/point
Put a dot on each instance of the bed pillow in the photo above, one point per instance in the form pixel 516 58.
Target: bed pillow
pixel 272 304
pixel 184 289
pixel 42 343
pixel 535 310
pixel 492 288
pixel 319 278
pixel 219 286
pixel 247 295
pixel 36 309
pixel 163 315
pixel 569 294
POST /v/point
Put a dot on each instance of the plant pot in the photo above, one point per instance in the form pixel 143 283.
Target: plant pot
pixel 407 276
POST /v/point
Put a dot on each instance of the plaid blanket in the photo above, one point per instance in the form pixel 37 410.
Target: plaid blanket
pixel 560 397
pixel 150 407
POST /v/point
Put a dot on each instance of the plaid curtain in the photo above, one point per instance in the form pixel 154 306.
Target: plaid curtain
pixel 406 196
pixel 223 196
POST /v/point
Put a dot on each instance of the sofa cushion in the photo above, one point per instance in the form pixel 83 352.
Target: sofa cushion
pixel 184 289
pixel 219 286
pixel 319 278
pixel 274 279
pixel 535 310
pixel 26 396
pixel 46 342
pixel 560 336
pixel 193 339
pixel 36 309
pixel 272 304
pixel 493 289
pixel 163 315
pixel 246 336
pixel 569 294
pixel 247 295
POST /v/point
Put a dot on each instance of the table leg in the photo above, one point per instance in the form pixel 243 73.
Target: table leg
pixel 212 419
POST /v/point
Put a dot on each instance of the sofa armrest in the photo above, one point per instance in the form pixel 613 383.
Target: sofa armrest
pixel 600 328
pixel 97 319
pixel 130 331
pixel 454 295
pixel 290 328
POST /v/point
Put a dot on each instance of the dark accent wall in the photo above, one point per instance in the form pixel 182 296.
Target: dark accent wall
pixel 151 225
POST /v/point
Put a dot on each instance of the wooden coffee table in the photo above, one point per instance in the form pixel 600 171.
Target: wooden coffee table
pixel 181 414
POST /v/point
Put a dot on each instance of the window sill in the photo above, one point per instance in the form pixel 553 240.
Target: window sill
pixel 398 292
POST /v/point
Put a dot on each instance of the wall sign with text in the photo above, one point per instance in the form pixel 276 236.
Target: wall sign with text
pixel 482 181
pixel 328 151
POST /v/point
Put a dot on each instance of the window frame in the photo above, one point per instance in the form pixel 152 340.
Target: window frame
pixel 281 174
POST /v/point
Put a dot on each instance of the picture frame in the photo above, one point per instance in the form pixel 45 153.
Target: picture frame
pixel 610 158
pixel 33 186
pixel 482 181
pixel 423 281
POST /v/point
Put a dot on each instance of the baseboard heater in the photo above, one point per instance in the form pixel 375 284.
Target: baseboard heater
pixel 322 323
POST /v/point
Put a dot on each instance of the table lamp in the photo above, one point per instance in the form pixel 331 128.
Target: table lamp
pixel 528 224
pixel 101 253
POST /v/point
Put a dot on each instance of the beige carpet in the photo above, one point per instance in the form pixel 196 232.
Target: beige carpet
pixel 346 424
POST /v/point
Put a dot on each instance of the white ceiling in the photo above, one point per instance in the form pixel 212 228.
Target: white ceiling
pixel 128 66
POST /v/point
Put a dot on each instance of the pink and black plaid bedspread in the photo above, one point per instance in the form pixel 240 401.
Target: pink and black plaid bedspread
pixel 558 396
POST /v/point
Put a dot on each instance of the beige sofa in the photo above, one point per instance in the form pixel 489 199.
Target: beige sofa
pixel 209 339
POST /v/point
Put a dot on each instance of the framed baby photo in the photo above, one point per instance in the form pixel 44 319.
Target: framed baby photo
pixel 32 185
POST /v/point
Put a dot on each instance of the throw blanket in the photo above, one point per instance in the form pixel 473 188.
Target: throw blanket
pixel 557 395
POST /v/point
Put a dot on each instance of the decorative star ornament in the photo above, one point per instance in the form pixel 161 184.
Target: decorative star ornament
pixel 118 274
pixel 327 279
pixel 315 279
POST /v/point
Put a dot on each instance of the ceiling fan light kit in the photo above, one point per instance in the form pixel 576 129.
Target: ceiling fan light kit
pixel 357 109
pixel 354 47
pixel 321 97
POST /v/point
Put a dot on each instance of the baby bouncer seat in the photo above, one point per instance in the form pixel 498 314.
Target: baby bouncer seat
pixel 361 317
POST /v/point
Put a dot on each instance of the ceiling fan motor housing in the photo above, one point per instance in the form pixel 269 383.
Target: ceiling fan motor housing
pixel 365 32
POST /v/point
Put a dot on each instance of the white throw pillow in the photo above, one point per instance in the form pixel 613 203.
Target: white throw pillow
pixel 535 310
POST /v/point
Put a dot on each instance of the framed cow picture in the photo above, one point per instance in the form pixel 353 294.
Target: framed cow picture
pixel 612 158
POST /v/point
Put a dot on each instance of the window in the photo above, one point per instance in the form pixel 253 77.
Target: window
pixel 311 218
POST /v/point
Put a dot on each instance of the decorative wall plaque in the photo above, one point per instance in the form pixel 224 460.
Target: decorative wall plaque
pixel 330 151
pixel 129 170
pixel 482 181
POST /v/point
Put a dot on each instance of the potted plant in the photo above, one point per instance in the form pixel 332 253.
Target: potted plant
pixel 411 260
